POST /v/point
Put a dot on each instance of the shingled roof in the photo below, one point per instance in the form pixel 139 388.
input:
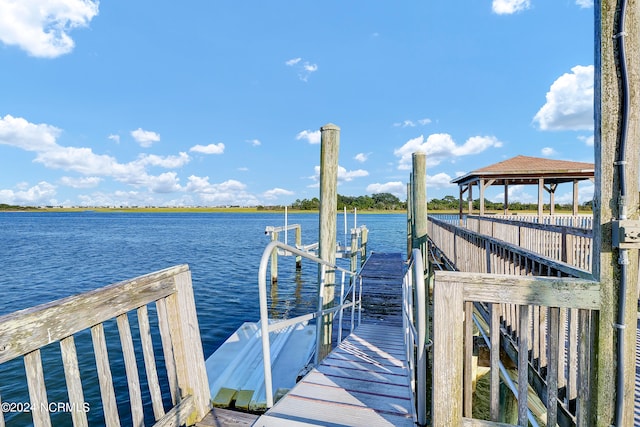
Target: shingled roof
pixel 527 170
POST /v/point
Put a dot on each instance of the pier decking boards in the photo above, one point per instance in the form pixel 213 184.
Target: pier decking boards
pixel 382 287
pixel 365 380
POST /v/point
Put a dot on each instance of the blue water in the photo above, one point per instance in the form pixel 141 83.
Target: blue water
pixel 48 256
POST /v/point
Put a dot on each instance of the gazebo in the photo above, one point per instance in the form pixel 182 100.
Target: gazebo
pixel 524 170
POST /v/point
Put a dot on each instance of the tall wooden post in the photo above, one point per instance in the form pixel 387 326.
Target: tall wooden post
pixel 606 205
pixel 364 238
pixel 329 148
pixel 419 205
pixel 409 215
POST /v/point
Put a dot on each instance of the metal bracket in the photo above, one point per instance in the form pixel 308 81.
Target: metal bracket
pixel 626 234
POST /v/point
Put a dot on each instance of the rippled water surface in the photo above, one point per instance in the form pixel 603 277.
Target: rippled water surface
pixel 47 256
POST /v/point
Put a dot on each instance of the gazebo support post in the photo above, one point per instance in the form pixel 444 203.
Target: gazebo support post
pixel 506 197
pixel 574 211
pixel 540 198
pixel 482 197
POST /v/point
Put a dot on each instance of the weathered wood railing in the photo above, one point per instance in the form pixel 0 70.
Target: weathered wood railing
pixel 552 298
pixel 477 255
pixel 571 245
pixel 25 333
pixel 578 221
pixel 477 252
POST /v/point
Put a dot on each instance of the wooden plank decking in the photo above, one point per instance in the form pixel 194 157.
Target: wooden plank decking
pixel 365 380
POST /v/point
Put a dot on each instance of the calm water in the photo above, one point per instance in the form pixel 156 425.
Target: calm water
pixel 47 256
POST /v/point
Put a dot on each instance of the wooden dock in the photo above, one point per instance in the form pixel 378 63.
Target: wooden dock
pixel 365 380
pixel 382 287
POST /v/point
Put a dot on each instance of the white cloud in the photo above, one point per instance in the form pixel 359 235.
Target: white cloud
pixel 275 193
pixel 18 132
pixel 548 151
pixel 411 123
pixel 440 146
pixel 305 68
pixel 517 193
pixel 229 192
pixel 361 157
pixel 41 139
pixel 397 188
pixel 439 181
pixel 508 7
pixel 41 27
pixel 405 124
pixel 584 4
pixel 80 182
pixel 144 137
pixel 169 162
pixel 313 137
pixel 40 194
pixel 588 140
pixel 569 103
pixel 343 174
pixel 208 149
pixel 254 142
pixel 115 138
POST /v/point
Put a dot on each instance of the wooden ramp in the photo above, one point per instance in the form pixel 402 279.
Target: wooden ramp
pixel 382 287
pixel 363 382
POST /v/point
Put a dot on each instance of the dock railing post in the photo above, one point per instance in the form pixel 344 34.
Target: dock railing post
pixel 329 148
pixel 274 259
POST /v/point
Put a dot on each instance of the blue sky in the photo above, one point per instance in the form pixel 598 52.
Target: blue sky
pixel 212 103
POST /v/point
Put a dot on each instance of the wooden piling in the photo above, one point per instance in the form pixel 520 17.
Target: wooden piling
pixel 364 237
pixel 607 108
pixel 329 148
pixel 298 244
pixel 419 204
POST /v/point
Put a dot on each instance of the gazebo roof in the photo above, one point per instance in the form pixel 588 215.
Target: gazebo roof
pixel 528 170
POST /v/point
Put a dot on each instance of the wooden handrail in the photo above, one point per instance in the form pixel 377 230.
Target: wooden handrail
pixel 453 293
pixel 24 333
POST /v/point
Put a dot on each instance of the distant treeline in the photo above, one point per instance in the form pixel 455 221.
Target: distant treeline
pixel 387 201
pixel 5 207
pixel 451 203
pixel 379 201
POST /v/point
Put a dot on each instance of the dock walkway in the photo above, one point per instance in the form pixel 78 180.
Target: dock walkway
pixel 365 380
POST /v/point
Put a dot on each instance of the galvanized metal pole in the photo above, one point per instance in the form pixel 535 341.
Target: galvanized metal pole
pixel 329 148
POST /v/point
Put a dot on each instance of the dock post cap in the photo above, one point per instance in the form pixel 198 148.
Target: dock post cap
pixel 330 126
